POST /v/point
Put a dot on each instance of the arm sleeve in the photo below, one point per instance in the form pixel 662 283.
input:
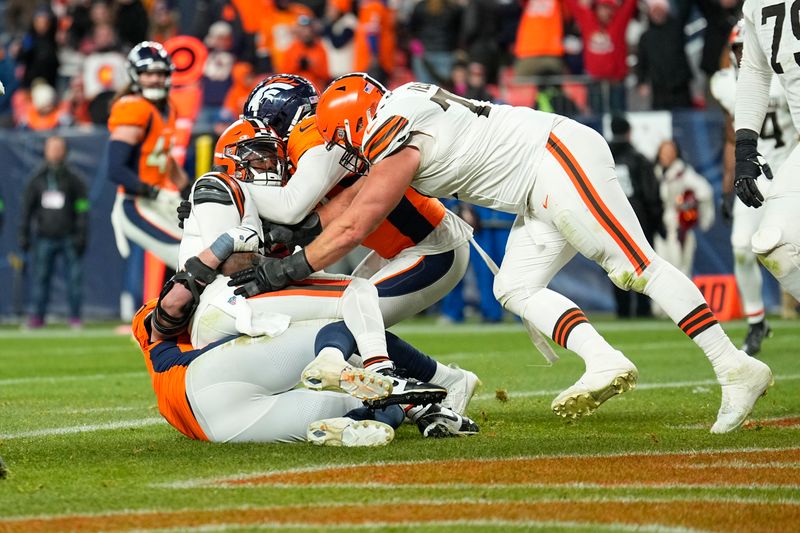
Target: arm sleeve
pixel 752 90
pixel 121 164
pixel 318 170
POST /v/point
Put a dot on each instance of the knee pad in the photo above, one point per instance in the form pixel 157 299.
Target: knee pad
pixel 777 256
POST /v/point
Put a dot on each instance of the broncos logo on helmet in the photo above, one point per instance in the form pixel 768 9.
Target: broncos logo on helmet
pixel 282 101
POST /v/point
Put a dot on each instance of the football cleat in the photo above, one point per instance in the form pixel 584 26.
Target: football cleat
pixel 349 433
pixel 408 391
pixel 460 389
pixel 594 388
pixel 741 387
pixel 328 371
pixel 756 333
pixel 436 422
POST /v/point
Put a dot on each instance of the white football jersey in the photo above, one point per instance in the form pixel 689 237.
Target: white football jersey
pixel 777 137
pixel 479 152
pixel 772 44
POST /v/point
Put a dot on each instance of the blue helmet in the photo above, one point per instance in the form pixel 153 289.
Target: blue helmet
pixel 282 101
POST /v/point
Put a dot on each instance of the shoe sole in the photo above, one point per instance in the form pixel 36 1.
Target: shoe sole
pixel 441 431
pixel 420 397
pixel 586 403
pixel 347 433
pixel 334 374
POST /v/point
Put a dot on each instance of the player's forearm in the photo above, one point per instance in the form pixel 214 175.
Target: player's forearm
pixel 334 243
pixel 339 204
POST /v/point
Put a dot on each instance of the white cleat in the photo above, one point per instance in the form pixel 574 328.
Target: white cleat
pixel 741 387
pixel 349 433
pixel 594 388
pixel 460 390
pixel 329 371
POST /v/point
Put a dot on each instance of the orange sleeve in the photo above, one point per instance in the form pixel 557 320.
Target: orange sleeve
pixel 304 136
pixel 130 110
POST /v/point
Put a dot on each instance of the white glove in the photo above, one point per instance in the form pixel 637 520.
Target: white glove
pixel 239 239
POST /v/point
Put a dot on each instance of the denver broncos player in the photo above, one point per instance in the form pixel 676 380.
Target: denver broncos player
pixel 776 141
pixel 239 389
pixel 419 253
pixel 558 177
pixel 249 157
pixel 142 124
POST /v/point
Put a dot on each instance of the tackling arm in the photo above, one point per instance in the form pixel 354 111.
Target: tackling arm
pixel 383 188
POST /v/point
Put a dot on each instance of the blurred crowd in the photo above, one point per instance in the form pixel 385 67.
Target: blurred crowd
pixel 63 61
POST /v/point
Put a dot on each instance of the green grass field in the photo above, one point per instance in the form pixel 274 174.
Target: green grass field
pixel 86 448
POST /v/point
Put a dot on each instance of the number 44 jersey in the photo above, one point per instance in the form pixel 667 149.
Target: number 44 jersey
pixel 481 153
pixel 777 137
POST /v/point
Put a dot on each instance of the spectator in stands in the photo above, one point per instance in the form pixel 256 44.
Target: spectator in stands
pixel 38 54
pixel 44 112
pixel 276 30
pixel 7 75
pixel 375 40
pixel 54 213
pixel 104 72
pixel 539 47
pixel 132 22
pixel 435 30
pixel 79 22
pixel 663 69
pixel 217 79
pixel 688 201
pixel 244 80
pixel 76 105
pixel 551 98
pixel 18 15
pixel 603 24
pixel 163 21
pixel 306 56
pixel 479 33
pixel 720 17
pixel 636 175
pixel 339 35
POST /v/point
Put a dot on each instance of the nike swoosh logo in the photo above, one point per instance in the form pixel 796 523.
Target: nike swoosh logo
pixel 546 198
pixel 303 130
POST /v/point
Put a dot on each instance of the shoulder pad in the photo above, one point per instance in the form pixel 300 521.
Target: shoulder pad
pixel 218 187
pixel 130 110
pixel 386 137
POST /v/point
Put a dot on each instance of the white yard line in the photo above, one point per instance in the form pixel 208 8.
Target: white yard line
pixel 122 424
pixel 72 377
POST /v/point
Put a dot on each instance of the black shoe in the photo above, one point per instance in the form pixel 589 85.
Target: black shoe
pixel 436 422
pixel 409 391
pixel 756 333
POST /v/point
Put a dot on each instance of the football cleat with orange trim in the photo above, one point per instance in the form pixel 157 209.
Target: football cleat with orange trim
pixel 329 371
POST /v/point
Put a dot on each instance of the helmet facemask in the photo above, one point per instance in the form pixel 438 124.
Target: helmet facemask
pixel 260 161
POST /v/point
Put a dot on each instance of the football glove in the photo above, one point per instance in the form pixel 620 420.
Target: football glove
pixel 271 274
pixel 184 210
pixel 748 168
pixel 299 234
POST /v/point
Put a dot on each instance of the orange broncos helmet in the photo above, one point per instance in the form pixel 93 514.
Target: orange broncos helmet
pixel 344 110
pixel 252 152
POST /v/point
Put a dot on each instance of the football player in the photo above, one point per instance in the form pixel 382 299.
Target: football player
pixel 771 45
pixel 558 177
pixel 419 252
pixel 776 141
pixel 142 123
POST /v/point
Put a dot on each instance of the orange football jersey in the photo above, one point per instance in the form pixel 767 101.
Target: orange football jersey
pixel 167 362
pixel 159 128
pixel 414 218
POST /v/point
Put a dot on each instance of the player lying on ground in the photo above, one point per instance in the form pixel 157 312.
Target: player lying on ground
pixel 558 177
pixel 219 202
pixel 241 388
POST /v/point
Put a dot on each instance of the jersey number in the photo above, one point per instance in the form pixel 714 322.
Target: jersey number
pixel 779 12
pixel 158 157
pixel 443 98
pixel 770 129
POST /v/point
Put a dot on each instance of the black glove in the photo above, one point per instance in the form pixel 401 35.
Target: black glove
pixel 186 191
pixel 726 207
pixel 271 274
pixel 299 234
pixel 748 168
pixel 148 191
pixel 184 210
